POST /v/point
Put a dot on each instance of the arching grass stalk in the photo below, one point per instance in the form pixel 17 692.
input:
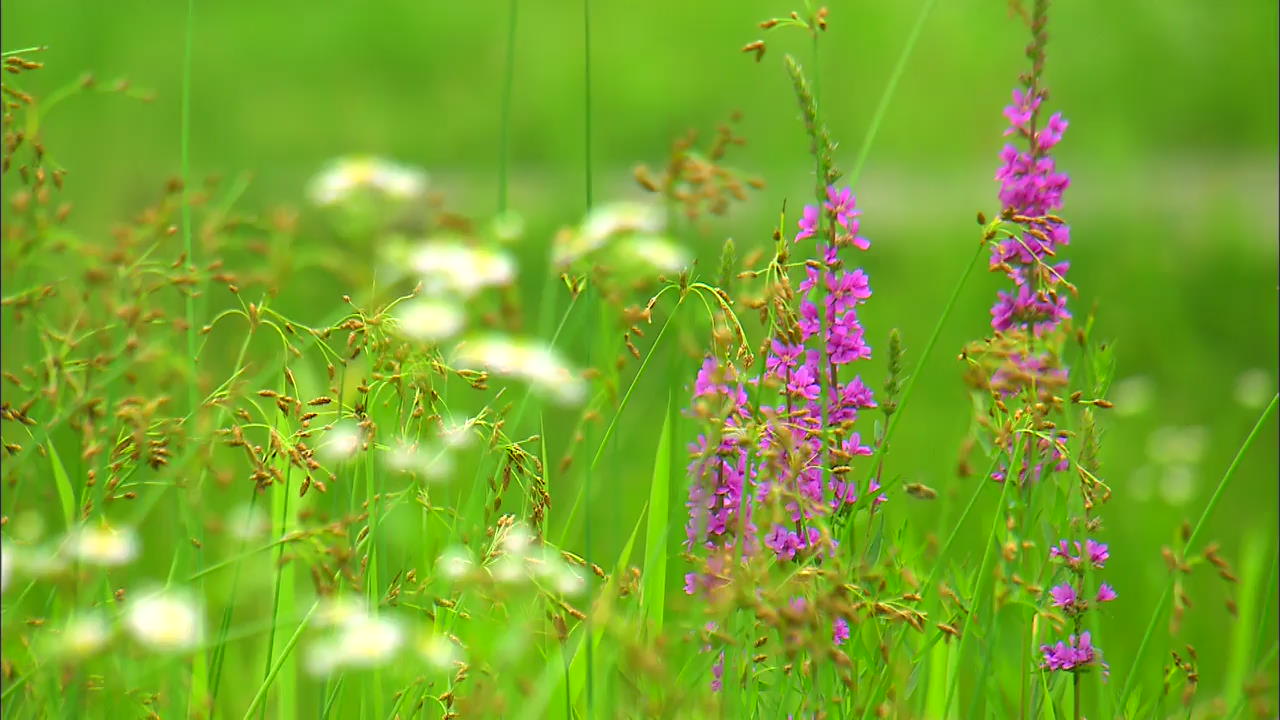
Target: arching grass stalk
pixel 1161 606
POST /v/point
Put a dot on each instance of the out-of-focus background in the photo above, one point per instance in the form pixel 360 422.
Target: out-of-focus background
pixel 1171 150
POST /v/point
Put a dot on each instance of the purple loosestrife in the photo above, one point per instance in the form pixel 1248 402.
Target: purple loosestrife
pixel 773 467
pixel 1031 320
pixel 1077 652
pixel 735 478
pixel 1031 191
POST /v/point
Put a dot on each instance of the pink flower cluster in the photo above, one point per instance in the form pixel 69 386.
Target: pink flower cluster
pixel 1031 189
pixel 1076 653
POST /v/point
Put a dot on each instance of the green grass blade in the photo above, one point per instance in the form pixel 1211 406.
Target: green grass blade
pixel 66 496
pixel 261 695
pixel 655 538
pixel 883 105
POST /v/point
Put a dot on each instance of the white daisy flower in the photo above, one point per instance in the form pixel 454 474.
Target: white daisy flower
pixel 440 652
pixel 84 635
pixel 456 562
pixel 527 360
pixel 105 546
pixel 601 225
pixel 345 176
pixel 341 442
pixel 657 252
pixel 360 641
pixel 165 621
pixel 449 266
pixel 429 320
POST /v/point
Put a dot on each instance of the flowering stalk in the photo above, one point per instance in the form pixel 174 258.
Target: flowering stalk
pixel 1077 654
pixel 1021 368
pixel 772 469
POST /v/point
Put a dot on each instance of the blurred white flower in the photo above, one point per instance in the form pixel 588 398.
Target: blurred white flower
pixel 601 225
pixel 1178 445
pixel 440 652
pixel 429 320
pixel 605 221
pixel 1133 395
pixel 6 568
pixel 361 640
pixel 84 635
pixel 365 641
pixel 569 580
pixel 101 545
pixel 165 621
pixel 527 360
pixel 1178 484
pixel 431 462
pixel 1254 388
pixel 448 266
pixel 341 442
pixel 41 561
pixel 509 569
pixel 517 540
pixel 345 176
pixel 507 227
pixel 455 562
pixel 656 251
pixel 456 433
pixel 248 523
pixel 339 610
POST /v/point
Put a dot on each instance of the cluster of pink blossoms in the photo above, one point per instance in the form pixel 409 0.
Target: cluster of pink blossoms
pixel 1077 652
pixel 1031 188
pixel 732 481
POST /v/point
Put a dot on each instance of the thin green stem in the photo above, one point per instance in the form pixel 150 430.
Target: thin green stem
pixel 186 200
pixel 881 107
pixel 915 375
pixel 505 143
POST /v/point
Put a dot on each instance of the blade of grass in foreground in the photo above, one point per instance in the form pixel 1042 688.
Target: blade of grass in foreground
pixel 655 537
pixel 261 695
pixel 1161 606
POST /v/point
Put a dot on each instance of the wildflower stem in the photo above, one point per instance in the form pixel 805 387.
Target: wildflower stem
pixel 1195 533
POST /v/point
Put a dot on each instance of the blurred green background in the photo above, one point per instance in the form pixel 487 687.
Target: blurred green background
pixel 1171 150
